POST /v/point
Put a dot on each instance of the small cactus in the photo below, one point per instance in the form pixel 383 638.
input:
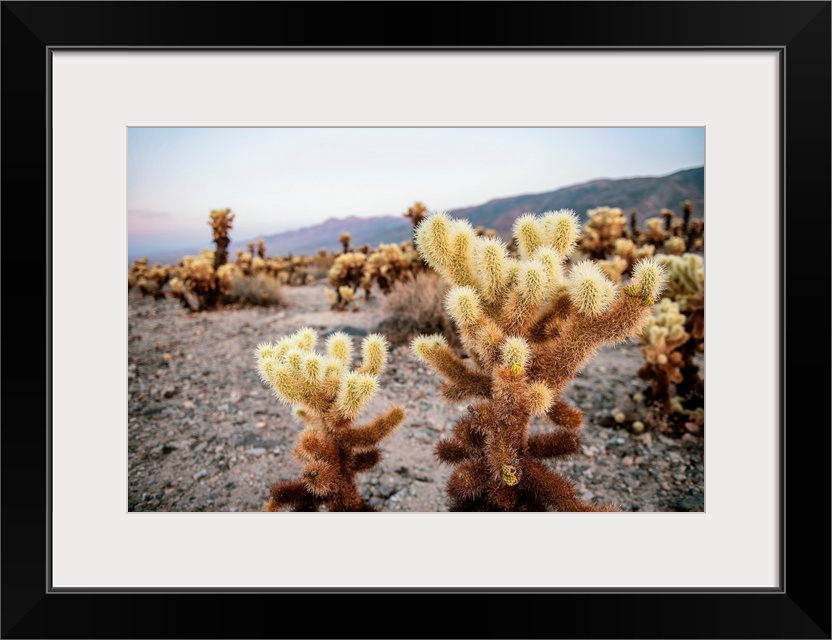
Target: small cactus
pixel 327 396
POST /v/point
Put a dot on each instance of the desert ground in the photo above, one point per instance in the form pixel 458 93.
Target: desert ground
pixel 205 434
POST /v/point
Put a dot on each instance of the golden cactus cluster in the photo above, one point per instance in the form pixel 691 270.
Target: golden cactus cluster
pixel 148 280
pixel 628 250
pixel 390 263
pixel 604 226
pixel 220 221
pixel 416 213
pixel 673 337
pixel 289 270
pixel 344 278
pixel 685 275
pixel 673 234
pixel 528 324
pixel 327 394
pixel 661 339
pixel 208 280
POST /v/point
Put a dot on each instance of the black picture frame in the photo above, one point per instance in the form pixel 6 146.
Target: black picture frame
pixel 799 608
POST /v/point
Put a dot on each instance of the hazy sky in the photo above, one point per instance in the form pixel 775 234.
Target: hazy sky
pixel 276 179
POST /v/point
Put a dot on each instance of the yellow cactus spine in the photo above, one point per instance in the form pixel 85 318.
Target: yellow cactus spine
pixel 528 325
pixel 327 397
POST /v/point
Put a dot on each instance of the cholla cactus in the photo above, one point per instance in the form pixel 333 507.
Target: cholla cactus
pixel 220 222
pixel 488 233
pixel 671 341
pixel 654 233
pixel 628 250
pixel 674 246
pixel 388 264
pixel 604 227
pixel 327 397
pixel 244 260
pixel 208 280
pixel 138 270
pixel 662 336
pixel 225 277
pixel 195 285
pixel 696 235
pixel 150 281
pixel 345 238
pixel 528 327
pixel 416 213
pixel 614 268
pixel 685 275
pixel 346 271
pixel 686 286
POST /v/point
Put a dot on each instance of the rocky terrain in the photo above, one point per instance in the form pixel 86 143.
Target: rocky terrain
pixel 205 434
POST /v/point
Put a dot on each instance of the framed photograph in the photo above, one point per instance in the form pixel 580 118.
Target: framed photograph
pixel 86 85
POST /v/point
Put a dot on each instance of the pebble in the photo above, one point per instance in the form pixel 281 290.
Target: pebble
pixel 200 474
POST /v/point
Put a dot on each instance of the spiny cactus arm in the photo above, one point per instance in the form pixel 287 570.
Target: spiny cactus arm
pixel 565 415
pixel 529 231
pixel 451 451
pixel 433 350
pixel 468 481
pixel 455 390
pixel 531 287
pixel 480 335
pixel 562 230
pixel 373 354
pixel 491 262
pixel 557 310
pixel 541 397
pixel 370 434
pixel 322 479
pixel 432 238
pixel 554 490
pixel 560 442
pixel 469 435
pixel 558 361
pixel 339 347
pixel 604 317
pixel 461 270
pixel 292 494
pixel 354 392
pixel 314 447
pixel 365 460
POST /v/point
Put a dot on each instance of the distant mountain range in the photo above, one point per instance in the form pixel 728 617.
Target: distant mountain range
pixel 646 195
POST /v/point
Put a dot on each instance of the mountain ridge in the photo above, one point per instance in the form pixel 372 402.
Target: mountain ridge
pixel 647 195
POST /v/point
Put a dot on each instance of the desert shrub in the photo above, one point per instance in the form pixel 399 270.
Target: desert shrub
pixel 258 290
